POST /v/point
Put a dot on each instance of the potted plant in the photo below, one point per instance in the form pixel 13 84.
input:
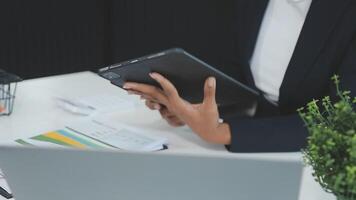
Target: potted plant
pixel 331 149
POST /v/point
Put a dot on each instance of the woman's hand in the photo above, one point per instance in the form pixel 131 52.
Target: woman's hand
pixel 202 118
pixel 172 119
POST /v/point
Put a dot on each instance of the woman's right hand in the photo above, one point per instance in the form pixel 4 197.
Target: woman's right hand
pixel 172 119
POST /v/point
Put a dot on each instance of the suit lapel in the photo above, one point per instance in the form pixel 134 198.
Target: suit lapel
pixel 254 17
pixel 322 18
pixel 250 14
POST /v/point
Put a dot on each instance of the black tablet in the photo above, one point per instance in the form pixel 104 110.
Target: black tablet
pixel 186 72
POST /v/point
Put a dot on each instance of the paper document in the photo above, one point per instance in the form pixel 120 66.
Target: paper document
pixel 94 134
pixel 119 136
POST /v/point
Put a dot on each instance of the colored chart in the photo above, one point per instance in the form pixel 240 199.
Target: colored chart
pixel 63 138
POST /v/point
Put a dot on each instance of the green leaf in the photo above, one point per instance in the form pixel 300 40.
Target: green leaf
pixel 331 149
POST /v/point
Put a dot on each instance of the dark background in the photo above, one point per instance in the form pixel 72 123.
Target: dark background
pixel 48 37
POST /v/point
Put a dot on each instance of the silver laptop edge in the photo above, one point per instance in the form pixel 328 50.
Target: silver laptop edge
pixel 57 174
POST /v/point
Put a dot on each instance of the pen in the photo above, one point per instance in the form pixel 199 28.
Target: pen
pixel 76 104
pixel 5 194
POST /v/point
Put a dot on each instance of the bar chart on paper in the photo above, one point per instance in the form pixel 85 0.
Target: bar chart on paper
pixel 62 138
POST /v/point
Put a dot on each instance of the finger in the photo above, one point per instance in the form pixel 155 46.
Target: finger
pixel 149 98
pixel 170 117
pixel 142 96
pixel 149 105
pixel 209 92
pixel 167 86
pixel 173 117
pixel 148 90
pixel 132 92
pixel 152 105
pixel 175 123
pixel 176 103
pixel 165 113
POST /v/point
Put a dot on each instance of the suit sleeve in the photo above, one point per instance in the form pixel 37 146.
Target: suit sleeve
pixel 285 133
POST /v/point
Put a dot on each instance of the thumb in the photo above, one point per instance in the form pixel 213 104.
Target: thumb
pixel 209 91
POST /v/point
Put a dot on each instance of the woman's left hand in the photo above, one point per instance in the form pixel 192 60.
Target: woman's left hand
pixel 202 118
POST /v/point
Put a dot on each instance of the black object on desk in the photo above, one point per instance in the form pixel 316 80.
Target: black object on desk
pixel 5 194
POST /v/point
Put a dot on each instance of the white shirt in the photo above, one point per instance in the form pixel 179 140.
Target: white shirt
pixel 278 36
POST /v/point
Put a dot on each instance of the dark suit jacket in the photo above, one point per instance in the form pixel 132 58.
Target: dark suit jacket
pixel 326 46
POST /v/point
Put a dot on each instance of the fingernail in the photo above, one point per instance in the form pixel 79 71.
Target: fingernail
pixel 152 75
pixel 211 82
pixel 157 107
pixel 126 86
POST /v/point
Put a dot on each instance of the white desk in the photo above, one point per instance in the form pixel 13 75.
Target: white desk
pixel 35 112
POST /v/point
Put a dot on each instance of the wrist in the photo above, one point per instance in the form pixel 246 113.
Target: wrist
pixel 220 134
pixel 223 134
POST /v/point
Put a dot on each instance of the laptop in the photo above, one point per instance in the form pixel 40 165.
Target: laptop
pixel 63 174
